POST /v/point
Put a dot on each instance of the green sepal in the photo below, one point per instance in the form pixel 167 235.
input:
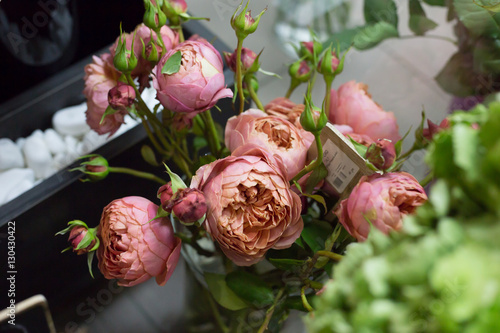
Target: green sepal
pixel 109 111
pixel 71 225
pixel 173 64
pixel 188 17
pixel 177 182
pixel 90 257
pixel 250 288
pixel 87 239
pixel 360 149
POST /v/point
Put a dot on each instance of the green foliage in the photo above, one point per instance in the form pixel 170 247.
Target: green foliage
pixel 250 288
pixel 439 275
pixel 173 64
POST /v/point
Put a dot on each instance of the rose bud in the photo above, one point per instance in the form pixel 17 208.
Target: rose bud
pixel 124 59
pixel 433 128
pixel 135 245
pixel 382 201
pixel 121 96
pixel 352 105
pixel 248 58
pixel 189 205
pixel 381 154
pixel 96 168
pixel 243 23
pixel 309 49
pixel 330 65
pixel 199 82
pixel 154 18
pixel 76 235
pixel 175 7
pixel 165 194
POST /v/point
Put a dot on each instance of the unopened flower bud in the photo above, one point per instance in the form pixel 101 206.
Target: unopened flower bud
pixel 329 64
pixel 96 168
pixel 433 128
pixel 243 23
pixel 190 205
pixel 312 118
pixel 165 194
pixel 248 60
pixel 76 236
pixel 175 7
pixel 125 60
pixel 309 49
pixel 381 154
pixel 121 96
pixel 300 71
pixel 154 18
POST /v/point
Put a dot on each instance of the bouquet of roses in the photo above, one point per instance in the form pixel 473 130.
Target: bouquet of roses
pixel 268 198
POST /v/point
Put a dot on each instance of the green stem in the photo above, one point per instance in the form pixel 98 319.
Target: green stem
pixel 239 76
pixel 314 164
pixel 181 34
pixel 414 148
pixel 305 302
pixel 159 38
pixel 153 139
pixel 291 89
pixel 328 94
pixel 192 242
pixel 270 311
pixel 254 95
pixel 427 179
pixel 330 255
pixel 314 284
pixel 140 174
pixel 213 137
pixel 216 312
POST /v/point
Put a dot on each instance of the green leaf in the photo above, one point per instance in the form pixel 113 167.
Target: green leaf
pixel 440 198
pixel 478 20
pixel 315 234
pixel 457 76
pixel 420 24
pixel 199 142
pixel 222 293
pixel 250 288
pixel 381 11
pixel 491 7
pixel 269 73
pixel 343 39
pixel 361 149
pixel 465 153
pixel 286 264
pixel 373 34
pixel 440 156
pixel 109 111
pixel 148 155
pixel 173 64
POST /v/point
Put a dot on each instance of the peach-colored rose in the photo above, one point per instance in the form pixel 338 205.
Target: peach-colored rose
pixel 100 77
pixel 133 249
pixel 383 200
pixel 143 69
pixel 352 105
pixel 251 208
pixel 274 134
pixel 284 108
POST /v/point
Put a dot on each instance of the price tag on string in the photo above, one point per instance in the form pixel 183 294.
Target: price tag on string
pixel 345 166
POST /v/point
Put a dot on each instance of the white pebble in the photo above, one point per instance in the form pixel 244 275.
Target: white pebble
pixel 61 160
pixel 71 121
pixel 91 141
pixel 19 189
pixel 20 142
pixel 13 178
pixel 10 155
pixel 54 141
pixel 38 156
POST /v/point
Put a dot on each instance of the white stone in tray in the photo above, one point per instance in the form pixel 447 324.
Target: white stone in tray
pixel 54 141
pixel 38 156
pixel 10 155
pixel 71 121
pixel 20 188
pixel 12 179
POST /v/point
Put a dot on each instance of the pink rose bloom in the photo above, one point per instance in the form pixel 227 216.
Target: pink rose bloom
pixel 284 108
pixel 100 77
pixel 352 105
pixel 144 67
pixel 274 134
pixel 198 84
pixel 384 200
pixel 251 208
pixel 133 249
pixel 363 139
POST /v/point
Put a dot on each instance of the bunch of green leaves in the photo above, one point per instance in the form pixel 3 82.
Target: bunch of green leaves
pixel 475 67
pixel 440 273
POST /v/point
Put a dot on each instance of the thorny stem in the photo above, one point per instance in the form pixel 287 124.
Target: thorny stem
pixel 239 78
pixel 270 312
pixel 140 174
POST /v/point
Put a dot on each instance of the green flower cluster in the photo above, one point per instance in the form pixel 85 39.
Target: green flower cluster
pixel 442 274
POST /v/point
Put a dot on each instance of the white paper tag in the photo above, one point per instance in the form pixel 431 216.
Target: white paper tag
pixel 341 169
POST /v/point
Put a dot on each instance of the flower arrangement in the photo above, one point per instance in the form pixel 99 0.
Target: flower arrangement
pixel 284 197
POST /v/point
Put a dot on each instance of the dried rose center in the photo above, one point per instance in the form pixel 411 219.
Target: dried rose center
pixel 280 134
